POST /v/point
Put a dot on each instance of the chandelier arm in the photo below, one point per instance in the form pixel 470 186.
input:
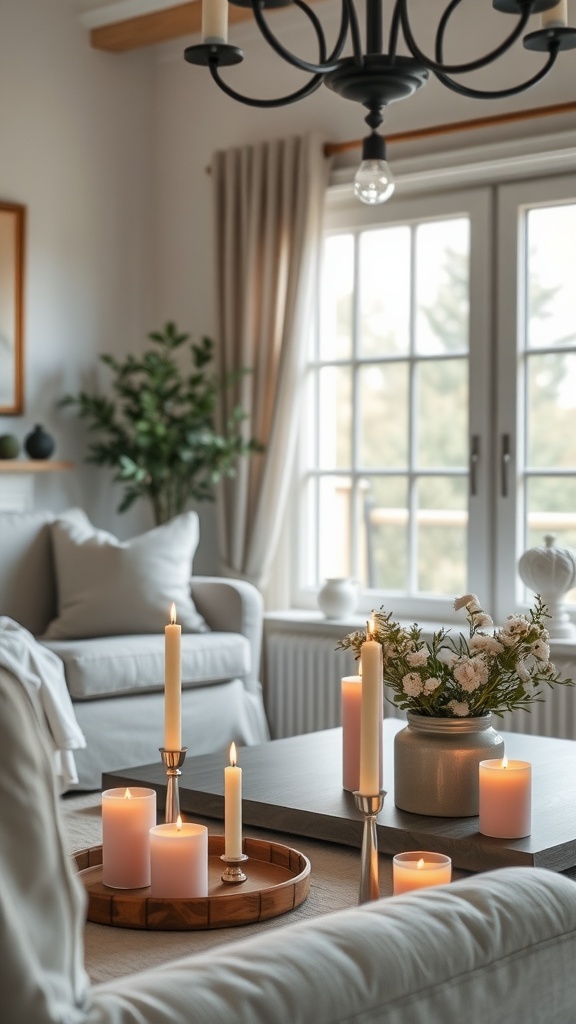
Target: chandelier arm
pixel 442 26
pixel 355 32
pixel 394 31
pixel 475 65
pixel 325 63
pixel 499 94
pixel 281 101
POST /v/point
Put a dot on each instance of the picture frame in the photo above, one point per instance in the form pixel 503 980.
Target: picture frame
pixel 12 240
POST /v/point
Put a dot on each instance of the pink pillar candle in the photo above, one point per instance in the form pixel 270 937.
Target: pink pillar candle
pixel 351 703
pixel 419 870
pixel 179 860
pixel 505 803
pixel 127 817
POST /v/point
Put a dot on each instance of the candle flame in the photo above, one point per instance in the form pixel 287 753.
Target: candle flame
pixel 179 823
pixel 233 755
pixel 370 627
pixel 420 863
pixel 127 795
pixel 172 614
pixel 504 762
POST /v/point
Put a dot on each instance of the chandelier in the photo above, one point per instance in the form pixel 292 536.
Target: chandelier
pixel 373 77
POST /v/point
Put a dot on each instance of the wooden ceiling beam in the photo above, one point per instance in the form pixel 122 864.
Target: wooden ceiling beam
pixel 157 27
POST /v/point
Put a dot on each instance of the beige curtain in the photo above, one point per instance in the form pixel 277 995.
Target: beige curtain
pixel 269 200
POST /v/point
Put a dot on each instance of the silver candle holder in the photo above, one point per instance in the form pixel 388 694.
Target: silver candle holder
pixel 369 807
pixel 233 873
pixel 173 760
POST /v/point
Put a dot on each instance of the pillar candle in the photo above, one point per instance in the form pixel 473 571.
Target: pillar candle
pixel 351 702
pixel 214 21
pixel 420 869
pixel 505 804
pixel 370 716
pixel 555 17
pixel 233 808
pixel 172 684
pixel 179 860
pixel 127 817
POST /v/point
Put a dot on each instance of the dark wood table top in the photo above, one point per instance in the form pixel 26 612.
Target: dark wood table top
pixel 294 786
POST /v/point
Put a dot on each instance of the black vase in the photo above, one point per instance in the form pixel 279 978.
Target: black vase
pixel 39 444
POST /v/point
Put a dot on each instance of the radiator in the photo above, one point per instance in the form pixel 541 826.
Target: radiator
pixel 302 674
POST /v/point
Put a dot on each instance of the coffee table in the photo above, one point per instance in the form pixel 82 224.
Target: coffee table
pixel 294 786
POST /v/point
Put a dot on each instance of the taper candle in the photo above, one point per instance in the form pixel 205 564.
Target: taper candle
pixel 505 798
pixel 172 683
pixel 351 694
pixel 555 17
pixel 127 817
pixel 233 808
pixel 370 715
pixel 214 21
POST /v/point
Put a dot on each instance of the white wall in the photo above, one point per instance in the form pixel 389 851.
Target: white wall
pixel 109 153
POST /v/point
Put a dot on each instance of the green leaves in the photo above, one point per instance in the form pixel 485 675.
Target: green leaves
pixel 158 432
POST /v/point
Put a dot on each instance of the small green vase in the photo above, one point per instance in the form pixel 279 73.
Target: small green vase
pixel 9 446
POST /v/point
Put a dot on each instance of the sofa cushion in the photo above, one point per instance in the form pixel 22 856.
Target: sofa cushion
pixel 108 587
pixel 27 586
pixel 113 665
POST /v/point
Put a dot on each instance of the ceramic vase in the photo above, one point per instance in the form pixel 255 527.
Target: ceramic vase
pixel 39 444
pixel 337 598
pixel 436 764
pixel 9 446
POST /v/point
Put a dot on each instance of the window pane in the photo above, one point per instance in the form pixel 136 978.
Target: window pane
pixel 383 413
pixel 384 561
pixel 336 306
pixel 335 417
pixel 551 505
pixel 384 291
pixel 550 288
pixel 442 520
pixel 442 286
pixel 441 413
pixel 334 521
pixel 551 413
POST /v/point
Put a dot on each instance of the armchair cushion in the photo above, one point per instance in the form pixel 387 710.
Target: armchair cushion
pixel 108 587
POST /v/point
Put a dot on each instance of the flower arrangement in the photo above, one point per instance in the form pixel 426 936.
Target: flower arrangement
pixel 449 677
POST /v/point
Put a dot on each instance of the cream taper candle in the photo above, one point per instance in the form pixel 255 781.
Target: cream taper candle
pixel 172 683
pixel 555 17
pixel 233 808
pixel 370 715
pixel 214 21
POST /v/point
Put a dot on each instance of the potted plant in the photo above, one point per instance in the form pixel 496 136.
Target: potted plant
pixel 158 433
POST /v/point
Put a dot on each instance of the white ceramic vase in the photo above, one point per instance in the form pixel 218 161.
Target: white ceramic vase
pixel 337 597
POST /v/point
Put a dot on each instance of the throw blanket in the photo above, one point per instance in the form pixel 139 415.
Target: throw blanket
pixel 42 672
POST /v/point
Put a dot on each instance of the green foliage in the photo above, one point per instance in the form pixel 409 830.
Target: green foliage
pixel 159 432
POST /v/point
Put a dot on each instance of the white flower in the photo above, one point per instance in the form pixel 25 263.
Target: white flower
pixel 482 619
pixel 448 658
pixel 522 671
pixel 416 658
pixel 459 708
pixel 431 684
pixel 466 601
pixel 485 644
pixel 515 627
pixel 412 684
pixel 541 651
pixel 470 673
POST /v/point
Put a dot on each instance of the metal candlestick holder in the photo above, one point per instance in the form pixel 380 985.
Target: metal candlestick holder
pixel 173 760
pixel 369 807
pixel 233 873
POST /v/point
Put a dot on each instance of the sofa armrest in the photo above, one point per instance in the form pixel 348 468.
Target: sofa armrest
pixel 233 606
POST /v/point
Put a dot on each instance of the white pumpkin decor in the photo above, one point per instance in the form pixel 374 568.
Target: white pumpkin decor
pixel 551 572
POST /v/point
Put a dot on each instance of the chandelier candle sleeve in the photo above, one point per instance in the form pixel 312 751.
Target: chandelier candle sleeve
pixel 505 798
pixel 556 17
pixel 127 817
pixel 214 21
pixel 233 808
pixel 179 860
pixel 370 715
pixel 172 683
pixel 419 870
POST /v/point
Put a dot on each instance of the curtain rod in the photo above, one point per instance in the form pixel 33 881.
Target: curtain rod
pixel 331 148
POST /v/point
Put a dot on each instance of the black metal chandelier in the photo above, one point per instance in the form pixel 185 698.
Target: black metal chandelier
pixel 374 77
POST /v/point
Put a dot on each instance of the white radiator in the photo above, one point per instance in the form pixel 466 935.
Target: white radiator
pixel 302 675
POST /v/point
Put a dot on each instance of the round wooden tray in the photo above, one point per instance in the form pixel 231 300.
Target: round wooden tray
pixel 278 879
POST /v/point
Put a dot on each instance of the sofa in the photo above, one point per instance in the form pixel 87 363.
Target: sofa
pixel 100 606
pixel 496 947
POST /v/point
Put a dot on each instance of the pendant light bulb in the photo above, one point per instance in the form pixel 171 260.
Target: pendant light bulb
pixel 374 181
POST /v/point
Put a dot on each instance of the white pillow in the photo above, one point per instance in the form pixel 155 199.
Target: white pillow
pixel 108 587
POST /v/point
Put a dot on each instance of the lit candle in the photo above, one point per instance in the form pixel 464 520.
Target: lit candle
pixel 351 704
pixel 179 860
pixel 370 715
pixel 127 817
pixel 420 869
pixel 233 808
pixel 214 21
pixel 505 803
pixel 172 683
pixel 555 17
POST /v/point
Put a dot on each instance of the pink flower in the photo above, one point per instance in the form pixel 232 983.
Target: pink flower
pixel 460 709
pixel 464 602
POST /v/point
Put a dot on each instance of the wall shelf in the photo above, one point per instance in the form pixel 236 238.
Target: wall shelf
pixel 33 466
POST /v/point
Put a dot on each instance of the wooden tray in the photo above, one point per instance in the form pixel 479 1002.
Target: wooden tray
pixel 278 879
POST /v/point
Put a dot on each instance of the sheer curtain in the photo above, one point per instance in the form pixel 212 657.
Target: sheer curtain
pixel 269 200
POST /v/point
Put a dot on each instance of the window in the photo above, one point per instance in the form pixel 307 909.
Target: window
pixel 439 438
